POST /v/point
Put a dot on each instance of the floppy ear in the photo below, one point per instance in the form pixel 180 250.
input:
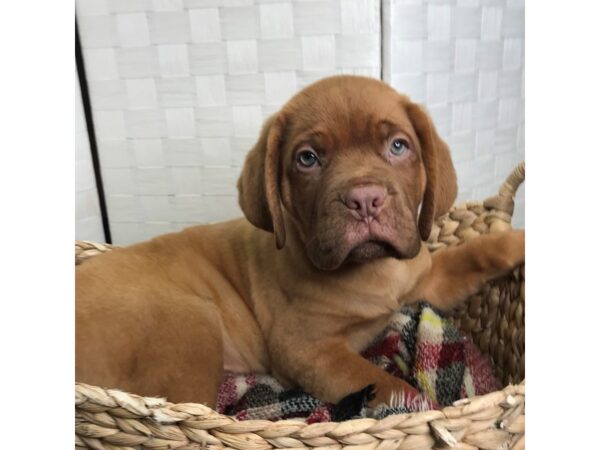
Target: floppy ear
pixel 440 190
pixel 258 185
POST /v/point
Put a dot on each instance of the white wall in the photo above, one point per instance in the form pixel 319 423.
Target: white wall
pixel 464 60
pixel 179 89
pixel 88 222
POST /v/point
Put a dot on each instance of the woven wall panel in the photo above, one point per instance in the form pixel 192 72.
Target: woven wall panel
pixel 88 222
pixel 179 89
pixel 464 59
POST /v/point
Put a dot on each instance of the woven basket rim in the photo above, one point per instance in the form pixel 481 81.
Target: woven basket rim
pixel 441 421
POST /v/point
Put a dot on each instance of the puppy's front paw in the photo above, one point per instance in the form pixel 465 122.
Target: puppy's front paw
pixel 512 248
pixel 395 394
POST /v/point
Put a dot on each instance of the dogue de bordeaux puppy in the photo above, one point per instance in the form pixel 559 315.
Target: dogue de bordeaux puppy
pixel 338 194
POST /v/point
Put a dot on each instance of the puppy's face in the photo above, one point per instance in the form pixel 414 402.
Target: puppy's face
pixel 349 161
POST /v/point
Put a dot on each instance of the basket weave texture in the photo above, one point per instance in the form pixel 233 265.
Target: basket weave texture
pixel 107 419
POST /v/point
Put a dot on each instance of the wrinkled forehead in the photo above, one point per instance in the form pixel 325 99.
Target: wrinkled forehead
pixel 346 114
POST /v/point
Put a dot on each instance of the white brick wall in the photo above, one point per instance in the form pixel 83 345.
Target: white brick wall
pixel 179 89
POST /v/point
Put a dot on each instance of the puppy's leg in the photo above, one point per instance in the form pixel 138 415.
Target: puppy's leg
pixel 331 370
pixel 458 272
pixel 170 346
pixel 183 359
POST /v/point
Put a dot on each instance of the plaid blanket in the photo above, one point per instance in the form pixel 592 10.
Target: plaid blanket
pixel 419 345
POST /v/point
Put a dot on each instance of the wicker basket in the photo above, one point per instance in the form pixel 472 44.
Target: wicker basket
pixel 112 419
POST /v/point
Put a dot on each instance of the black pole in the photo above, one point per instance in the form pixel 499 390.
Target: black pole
pixel 87 109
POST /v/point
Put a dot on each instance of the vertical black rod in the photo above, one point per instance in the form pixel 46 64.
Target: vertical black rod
pixel 381 38
pixel 87 109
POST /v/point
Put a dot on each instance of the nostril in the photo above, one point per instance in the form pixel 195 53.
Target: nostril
pixel 353 204
pixel 377 201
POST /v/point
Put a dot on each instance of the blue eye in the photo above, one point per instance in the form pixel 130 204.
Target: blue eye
pixel 398 147
pixel 307 159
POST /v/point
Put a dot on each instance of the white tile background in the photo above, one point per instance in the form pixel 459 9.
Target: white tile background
pixel 88 222
pixel 464 59
pixel 179 89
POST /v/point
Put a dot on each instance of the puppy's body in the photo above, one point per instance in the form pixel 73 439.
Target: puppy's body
pixel 236 296
pixel 166 317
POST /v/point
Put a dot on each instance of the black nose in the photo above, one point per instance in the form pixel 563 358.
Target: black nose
pixel 367 201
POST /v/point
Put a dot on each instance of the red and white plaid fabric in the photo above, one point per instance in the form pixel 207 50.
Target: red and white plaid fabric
pixel 419 345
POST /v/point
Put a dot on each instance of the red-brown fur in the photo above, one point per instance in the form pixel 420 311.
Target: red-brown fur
pixel 167 316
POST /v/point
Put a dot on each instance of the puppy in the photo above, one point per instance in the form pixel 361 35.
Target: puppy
pixel 339 192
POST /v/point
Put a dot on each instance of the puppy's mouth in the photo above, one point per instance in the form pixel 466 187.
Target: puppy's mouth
pixel 373 249
pixel 353 242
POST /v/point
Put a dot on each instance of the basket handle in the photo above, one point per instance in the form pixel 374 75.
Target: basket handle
pixel 505 200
